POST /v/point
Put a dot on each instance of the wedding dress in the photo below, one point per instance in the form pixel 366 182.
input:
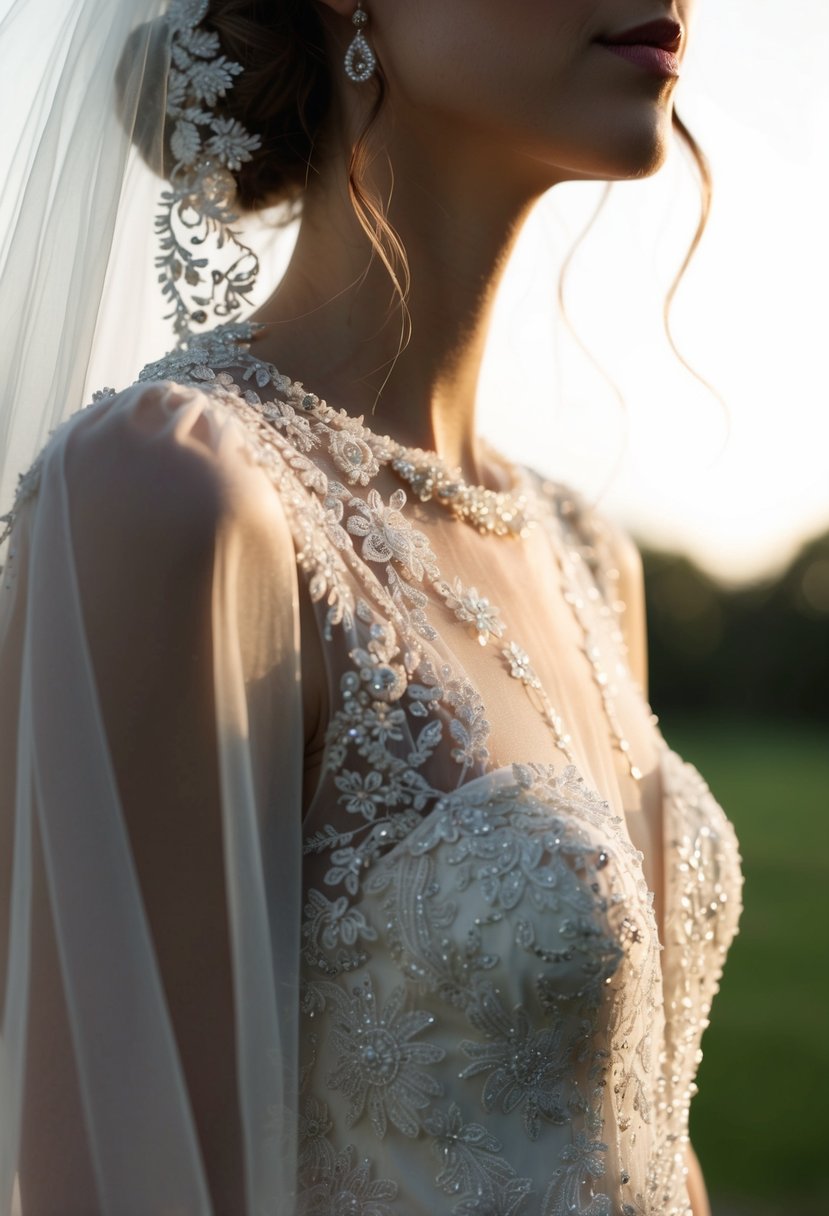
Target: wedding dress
pixel 474 930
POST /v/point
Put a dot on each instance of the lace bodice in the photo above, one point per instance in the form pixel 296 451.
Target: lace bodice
pixel 495 1019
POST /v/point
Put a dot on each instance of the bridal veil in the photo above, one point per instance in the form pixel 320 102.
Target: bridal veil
pixel 130 743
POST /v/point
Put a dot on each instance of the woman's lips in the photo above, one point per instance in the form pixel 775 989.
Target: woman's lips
pixel 652 58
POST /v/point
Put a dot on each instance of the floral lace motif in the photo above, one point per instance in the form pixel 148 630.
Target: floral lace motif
pixel 484 991
pixel 380 1067
pixel 346 1186
pixel 198 207
pixel 483 963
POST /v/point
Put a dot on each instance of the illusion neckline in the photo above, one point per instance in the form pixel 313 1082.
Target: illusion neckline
pixel 512 511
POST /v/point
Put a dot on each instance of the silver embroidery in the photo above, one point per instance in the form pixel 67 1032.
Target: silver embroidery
pixel 381 1069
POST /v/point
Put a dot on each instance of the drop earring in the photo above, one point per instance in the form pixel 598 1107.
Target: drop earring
pixel 360 60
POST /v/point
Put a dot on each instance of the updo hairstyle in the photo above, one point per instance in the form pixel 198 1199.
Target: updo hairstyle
pixel 285 94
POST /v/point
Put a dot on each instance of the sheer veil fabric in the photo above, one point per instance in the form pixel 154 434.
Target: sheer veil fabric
pixel 68 733
pixel 80 308
pixel 75 200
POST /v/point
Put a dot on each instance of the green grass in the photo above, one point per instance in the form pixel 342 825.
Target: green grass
pixel 759 1123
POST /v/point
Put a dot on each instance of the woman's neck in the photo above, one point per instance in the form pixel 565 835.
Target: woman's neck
pixel 334 321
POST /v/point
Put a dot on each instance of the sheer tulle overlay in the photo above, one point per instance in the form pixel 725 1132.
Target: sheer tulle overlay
pixel 447 968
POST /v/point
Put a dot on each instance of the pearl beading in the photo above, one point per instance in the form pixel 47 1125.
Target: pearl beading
pixel 497 512
pixel 502 513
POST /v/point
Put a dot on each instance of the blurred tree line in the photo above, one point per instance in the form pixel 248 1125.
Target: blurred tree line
pixel 761 649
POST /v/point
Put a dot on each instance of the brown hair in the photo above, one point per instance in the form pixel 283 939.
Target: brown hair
pixel 285 93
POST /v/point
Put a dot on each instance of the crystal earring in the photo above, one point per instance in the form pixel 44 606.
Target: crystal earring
pixel 360 60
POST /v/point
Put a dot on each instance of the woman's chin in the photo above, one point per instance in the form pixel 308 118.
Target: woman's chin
pixel 635 155
pixel 620 151
pixel 639 163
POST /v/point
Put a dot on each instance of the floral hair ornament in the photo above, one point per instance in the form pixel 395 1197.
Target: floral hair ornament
pixel 203 266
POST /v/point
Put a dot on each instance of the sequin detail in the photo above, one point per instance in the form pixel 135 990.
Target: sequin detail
pixel 490 1025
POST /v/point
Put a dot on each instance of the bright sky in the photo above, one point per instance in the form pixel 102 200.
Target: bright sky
pixel 751 315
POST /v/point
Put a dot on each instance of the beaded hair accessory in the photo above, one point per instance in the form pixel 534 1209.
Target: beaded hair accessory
pixel 197 211
pixel 197 214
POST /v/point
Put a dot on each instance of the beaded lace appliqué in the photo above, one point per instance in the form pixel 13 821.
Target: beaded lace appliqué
pixel 424 901
pixel 396 832
pixel 198 207
pixel 499 512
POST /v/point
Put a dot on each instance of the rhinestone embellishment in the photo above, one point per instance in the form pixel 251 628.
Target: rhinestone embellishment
pixel 360 60
pixel 490 511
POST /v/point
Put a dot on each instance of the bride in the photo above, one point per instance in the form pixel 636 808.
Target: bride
pixel 343 866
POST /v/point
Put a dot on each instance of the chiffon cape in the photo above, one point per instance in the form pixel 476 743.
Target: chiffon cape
pixel 102 761
pixel 150 814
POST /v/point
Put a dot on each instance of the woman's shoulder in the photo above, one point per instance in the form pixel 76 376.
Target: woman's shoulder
pixel 218 359
pixel 168 452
